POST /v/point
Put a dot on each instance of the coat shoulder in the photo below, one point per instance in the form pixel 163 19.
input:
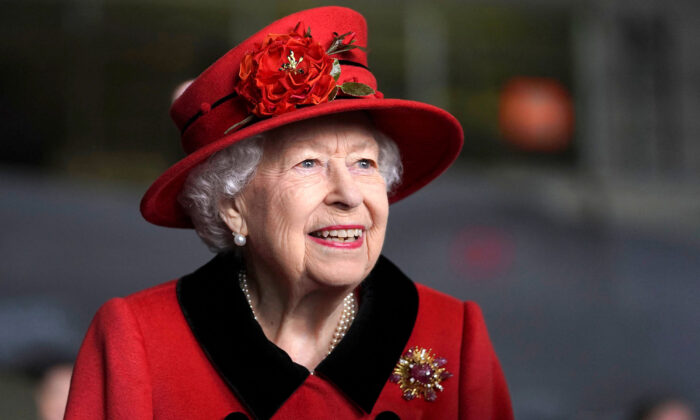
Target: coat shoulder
pixel 448 320
pixel 146 306
pixel 443 302
pixel 440 319
pixel 155 296
pixel 439 301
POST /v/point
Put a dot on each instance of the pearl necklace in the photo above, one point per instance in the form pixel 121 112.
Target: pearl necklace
pixel 346 317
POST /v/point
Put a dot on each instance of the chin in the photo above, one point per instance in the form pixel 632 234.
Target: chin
pixel 334 266
pixel 339 275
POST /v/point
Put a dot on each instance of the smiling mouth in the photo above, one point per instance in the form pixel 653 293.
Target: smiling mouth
pixel 338 235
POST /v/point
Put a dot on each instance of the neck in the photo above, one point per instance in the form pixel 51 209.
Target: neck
pixel 301 320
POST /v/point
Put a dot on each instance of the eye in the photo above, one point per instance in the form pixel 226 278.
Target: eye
pixel 365 164
pixel 308 164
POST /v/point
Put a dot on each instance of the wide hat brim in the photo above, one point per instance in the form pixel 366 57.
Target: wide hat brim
pixel 429 140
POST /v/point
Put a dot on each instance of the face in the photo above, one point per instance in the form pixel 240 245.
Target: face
pixel 317 207
pixel 52 395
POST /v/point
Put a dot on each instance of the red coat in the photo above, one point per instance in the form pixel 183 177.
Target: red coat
pixel 190 349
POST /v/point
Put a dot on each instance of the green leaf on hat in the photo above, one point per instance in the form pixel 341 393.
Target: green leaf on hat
pixel 244 121
pixel 335 71
pixel 333 93
pixel 356 89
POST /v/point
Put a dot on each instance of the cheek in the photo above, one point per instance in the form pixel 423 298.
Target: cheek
pixel 281 213
pixel 274 231
pixel 378 206
pixel 377 200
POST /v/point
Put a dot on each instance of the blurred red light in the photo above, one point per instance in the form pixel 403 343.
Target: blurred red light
pixel 536 114
pixel 481 252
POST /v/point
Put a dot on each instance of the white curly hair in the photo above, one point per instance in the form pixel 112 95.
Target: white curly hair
pixel 227 172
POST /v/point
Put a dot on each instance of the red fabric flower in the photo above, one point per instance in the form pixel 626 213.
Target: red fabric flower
pixel 285 71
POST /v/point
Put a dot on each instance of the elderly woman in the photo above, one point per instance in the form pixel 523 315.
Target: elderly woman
pixel 293 159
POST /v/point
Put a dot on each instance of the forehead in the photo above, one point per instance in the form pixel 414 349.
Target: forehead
pixel 349 132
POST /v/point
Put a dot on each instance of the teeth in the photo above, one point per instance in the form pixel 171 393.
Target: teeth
pixel 338 235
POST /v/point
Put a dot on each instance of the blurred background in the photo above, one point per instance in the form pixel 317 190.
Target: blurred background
pixel 572 216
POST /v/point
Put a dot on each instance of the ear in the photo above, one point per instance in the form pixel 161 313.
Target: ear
pixel 230 212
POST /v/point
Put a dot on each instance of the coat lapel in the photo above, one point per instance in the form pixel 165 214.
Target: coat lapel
pixel 261 374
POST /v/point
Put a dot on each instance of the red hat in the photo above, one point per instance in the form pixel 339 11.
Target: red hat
pixel 288 72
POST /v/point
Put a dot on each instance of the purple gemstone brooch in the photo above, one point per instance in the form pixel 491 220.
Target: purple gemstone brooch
pixel 419 374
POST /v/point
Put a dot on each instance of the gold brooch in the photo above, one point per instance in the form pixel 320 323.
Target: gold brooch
pixel 419 374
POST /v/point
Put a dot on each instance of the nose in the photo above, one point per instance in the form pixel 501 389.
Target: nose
pixel 343 191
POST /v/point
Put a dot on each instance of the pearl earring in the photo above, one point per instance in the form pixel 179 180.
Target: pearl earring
pixel 238 239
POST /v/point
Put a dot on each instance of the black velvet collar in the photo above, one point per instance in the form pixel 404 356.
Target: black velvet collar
pixel 261 374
